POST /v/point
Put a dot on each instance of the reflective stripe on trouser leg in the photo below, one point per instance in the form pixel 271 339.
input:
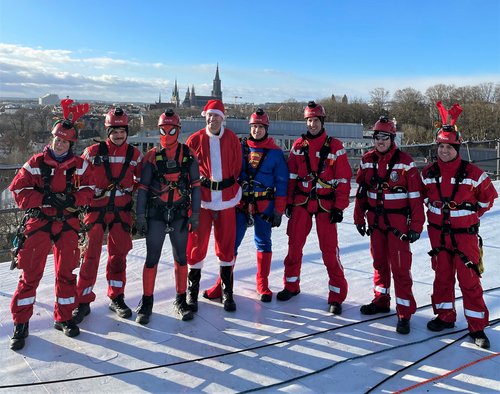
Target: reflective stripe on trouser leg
pixel 25 301
pixel 65 301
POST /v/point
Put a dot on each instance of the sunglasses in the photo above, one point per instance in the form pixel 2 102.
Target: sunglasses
pixel 381 137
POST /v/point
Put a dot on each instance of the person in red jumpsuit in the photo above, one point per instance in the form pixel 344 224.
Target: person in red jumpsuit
pixel 219 155
pixel 457 193
pixel 168 202
pixel 389 197
pixel 51 186
pixel 319 186
pixel 117 169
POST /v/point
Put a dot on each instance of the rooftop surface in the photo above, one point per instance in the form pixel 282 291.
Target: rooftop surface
pixel 293 347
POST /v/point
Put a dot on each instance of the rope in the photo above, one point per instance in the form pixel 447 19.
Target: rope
pixel 492 323
pixel 490 356
pixel 348 360
pixel 250 349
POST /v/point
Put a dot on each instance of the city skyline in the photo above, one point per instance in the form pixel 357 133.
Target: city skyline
pixel 266 51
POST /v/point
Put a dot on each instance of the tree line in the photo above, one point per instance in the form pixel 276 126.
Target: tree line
pixel 414 111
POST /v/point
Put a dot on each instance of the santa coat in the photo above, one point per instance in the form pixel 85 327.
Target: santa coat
pixel 219 157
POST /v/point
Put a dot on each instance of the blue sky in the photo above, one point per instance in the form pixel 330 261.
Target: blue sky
pixel 267 50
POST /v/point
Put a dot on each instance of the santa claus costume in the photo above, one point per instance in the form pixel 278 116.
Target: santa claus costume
pixel 218 151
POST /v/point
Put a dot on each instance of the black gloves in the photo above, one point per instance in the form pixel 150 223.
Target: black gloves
pixel 59 200
pixel 413 236
pixel 52 200
pixel 70 201
pixel 141 224
pixel 276 219
pixel 288 210
pixel 361 229
pixel 336 215
pixel 193 221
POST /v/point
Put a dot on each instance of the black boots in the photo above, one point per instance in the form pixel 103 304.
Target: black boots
pixel 21 331
pixel 118 306
pixel 373 309
pixel 182 308
pixel 68 327
pixel 80 312
pixel 335 308
pixel 285 294
pixel 226 275
pixel 480 339
pixel 437 324
pixel 144 309
pixel 194 277
pixel 403 326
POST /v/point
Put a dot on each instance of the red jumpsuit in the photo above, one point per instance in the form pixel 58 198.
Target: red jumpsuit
pixel 219 158
pixel 390 198
pixel 310 197
pixel 110 207
pixel 44 234
pixel 453 221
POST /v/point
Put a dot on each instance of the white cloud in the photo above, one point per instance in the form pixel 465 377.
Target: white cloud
pixel 33 72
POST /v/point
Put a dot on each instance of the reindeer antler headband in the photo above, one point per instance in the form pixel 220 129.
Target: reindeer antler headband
pixel 73 112
pixel 454 112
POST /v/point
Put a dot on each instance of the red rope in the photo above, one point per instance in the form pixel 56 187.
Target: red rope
pixel 448 373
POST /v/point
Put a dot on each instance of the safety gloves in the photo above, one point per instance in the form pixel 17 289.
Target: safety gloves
pixel 361 229
pixel 336 215
pixel 141 224
pixel 59 200
pixel 288 210
pixel 276 219
pixel 413 236
pixel 193 221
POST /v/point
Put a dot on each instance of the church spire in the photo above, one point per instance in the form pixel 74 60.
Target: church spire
pixel 175 95
pixel 216 90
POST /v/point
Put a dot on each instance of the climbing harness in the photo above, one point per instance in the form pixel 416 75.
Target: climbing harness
pixel 447 205
pixel 175 188
pixel 102 158
pixel 381 185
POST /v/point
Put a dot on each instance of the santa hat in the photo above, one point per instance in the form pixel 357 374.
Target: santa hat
pixel 214 107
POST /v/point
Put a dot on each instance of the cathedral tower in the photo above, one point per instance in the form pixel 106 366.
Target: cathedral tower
pixel 216 90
